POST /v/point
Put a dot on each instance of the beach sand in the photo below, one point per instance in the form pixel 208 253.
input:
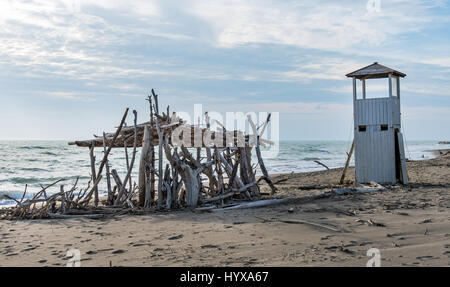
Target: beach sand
pixel 410 226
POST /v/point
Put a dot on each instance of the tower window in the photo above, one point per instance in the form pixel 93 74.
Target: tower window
pixel 362 128
pixel 384 127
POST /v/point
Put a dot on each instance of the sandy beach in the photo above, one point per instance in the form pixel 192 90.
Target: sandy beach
pixel 225 134
pixel 410 225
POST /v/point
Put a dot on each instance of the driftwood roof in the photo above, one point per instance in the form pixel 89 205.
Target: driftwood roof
pixel 374 71
pixel 126 135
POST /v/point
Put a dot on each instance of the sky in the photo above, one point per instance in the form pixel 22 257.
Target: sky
pixel 68 69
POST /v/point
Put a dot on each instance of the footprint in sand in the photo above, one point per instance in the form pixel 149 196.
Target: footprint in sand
pixel 425 257
pixel 425 221
pixel 30 248
pixel 176 237
pixel 141 244
pixel 107 249
pixel 86 259
pixel 210 246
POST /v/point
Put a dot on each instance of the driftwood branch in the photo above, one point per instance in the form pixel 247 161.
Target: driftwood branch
pixel 347 162
pixel 108 175
pixel 258 154
pixel 122 189
pixel 271 202
pixel 319 163
pixel 105 156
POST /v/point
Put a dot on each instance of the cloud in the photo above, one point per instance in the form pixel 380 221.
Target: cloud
pixel 308 109
pixel 126 87
pixel 67 37
pixel 322 68
pixel 426 122
pixel 428 89
pixel 83 39
pixel 139 7
pixel 83 97
pixel 319 25
pixel 442 62
pixel 426 112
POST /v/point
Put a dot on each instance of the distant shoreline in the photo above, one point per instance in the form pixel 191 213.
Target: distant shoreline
pixel 438 152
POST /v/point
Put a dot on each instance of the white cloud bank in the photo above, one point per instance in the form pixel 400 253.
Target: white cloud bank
pixel 69 36
pixel 327 25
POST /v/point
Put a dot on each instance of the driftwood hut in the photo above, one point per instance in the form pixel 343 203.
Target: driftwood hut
pixel 180 165
pixel 178 176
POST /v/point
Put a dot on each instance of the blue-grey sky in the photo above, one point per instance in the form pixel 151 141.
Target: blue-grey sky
pixel 69 68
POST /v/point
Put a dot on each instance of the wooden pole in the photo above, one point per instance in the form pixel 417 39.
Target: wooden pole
pixel 234 171
pixel 220 188
pixel 143 170
pixel 252 176
pixel 117 179
pixel 167 181
pixel 91 154
pixel 125 145
pixel 152 155
pixel 150 174
pixel 108 176
pixel 390 85
pixel 174 186
pixel 347 162
pixel 364 88
pixel 212 180
pixel 122 190
pixel 63 199
pixel 105 156
pixel 160 164
pixel 152 152
pixel 244 168
pixel 258 154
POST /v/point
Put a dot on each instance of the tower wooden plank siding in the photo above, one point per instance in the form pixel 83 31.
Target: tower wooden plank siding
pixel 379 150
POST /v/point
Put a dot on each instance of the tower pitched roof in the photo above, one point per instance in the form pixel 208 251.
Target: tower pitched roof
pixel 374 71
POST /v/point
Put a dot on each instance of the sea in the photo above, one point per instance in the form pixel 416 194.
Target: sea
pixel 36 163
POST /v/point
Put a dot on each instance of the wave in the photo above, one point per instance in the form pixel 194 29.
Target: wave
pixel 23 180
pixel 33 180
pixel 49 153
pixel 33 147
pixel 32 169
pixel 310 158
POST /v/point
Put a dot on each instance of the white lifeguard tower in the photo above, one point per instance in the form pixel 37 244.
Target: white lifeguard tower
pixel 379 150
